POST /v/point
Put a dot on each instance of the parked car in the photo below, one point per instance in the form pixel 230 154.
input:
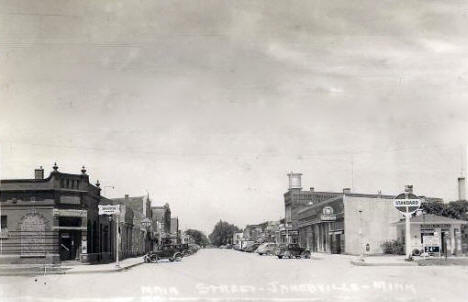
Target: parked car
pixel 278 248
pixel 246 245
pixel 169 251
pixel 252 248
pixel 150 257
pixel 237 247
pixel 184 249
pixel 228 246
pixel 292 250
pixel 267 248
pixel 193 248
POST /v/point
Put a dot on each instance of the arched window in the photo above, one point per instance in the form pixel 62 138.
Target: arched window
pixel 33 235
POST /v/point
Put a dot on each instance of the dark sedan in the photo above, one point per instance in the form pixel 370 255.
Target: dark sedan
pixel 292 250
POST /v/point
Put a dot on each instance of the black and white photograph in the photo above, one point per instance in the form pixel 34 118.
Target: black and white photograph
pixel 233 150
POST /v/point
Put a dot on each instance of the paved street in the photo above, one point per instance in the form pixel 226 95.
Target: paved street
pixel 222 275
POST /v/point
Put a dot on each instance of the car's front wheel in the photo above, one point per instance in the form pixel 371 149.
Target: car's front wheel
pixel 176 257
pixel 280 257
pixel 306 255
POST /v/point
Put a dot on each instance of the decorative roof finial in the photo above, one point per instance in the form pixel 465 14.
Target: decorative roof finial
pixel 83 170
pixel 55 167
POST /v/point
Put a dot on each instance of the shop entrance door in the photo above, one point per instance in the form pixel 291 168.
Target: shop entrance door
pixel 338 244
pixel 444 242
pixel 335 243
pixel 68 244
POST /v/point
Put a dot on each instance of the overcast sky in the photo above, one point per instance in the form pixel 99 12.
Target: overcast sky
pixel 208 104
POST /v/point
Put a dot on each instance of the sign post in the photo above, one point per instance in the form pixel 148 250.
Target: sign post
pixel 117 241
pixel 407 204
pixel 113 210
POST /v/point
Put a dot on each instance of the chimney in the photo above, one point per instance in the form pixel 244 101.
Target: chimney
pixel 39 173
pixel 409 189
pixel 312 189
pixel 461 188
pixel 126 196
pixel 295 181
pixel 346 190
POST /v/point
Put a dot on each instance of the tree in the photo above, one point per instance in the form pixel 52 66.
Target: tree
pixel 454 209
pixel 198 237
pixel 223 233
pixel 436 208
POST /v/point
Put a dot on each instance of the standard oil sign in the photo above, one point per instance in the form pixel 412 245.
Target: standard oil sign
pixel 407 205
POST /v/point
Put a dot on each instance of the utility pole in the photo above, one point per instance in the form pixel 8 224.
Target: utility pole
pixel 117 241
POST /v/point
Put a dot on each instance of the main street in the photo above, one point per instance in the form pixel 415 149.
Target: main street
pixel 228 275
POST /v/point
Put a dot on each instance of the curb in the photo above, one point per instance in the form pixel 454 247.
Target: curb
pixel 114 270
pixel 66 271
pixel 360 263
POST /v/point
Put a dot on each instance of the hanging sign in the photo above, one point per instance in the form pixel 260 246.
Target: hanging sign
pixel 109 209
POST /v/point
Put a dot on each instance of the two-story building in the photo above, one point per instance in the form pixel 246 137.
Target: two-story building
pixel 161 222
pixel 295 199
pixel 55 218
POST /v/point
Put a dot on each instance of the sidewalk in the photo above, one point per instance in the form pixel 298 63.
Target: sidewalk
pixel 104 268
pixel 42 269
pixel 383 260
pixel 374 260
pixel 394 260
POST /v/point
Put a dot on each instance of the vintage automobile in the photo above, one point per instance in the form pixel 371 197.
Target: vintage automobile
pixel 267 248
pixel 292 250
pixel 193 248
pixel 251 248
pixel 169 251
pixel 247 245
pixel 184 249
pixel 150 257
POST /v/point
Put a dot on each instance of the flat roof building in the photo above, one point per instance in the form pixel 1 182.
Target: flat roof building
pixel 55 218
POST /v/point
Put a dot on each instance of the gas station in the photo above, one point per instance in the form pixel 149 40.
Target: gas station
pixel 433 234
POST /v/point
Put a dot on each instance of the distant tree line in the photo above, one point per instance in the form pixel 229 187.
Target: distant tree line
pixel 454 209
pixel 198 237
pixel 222 233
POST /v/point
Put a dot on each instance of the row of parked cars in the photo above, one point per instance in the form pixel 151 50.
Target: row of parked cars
pixel 289 250
pixel 172 252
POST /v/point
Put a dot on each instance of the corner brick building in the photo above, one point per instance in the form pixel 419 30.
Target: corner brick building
pixel 55 218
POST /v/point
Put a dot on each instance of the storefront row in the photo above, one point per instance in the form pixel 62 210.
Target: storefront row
pixel 361 224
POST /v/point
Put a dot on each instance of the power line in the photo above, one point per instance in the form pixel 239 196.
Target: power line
pixel 324 153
